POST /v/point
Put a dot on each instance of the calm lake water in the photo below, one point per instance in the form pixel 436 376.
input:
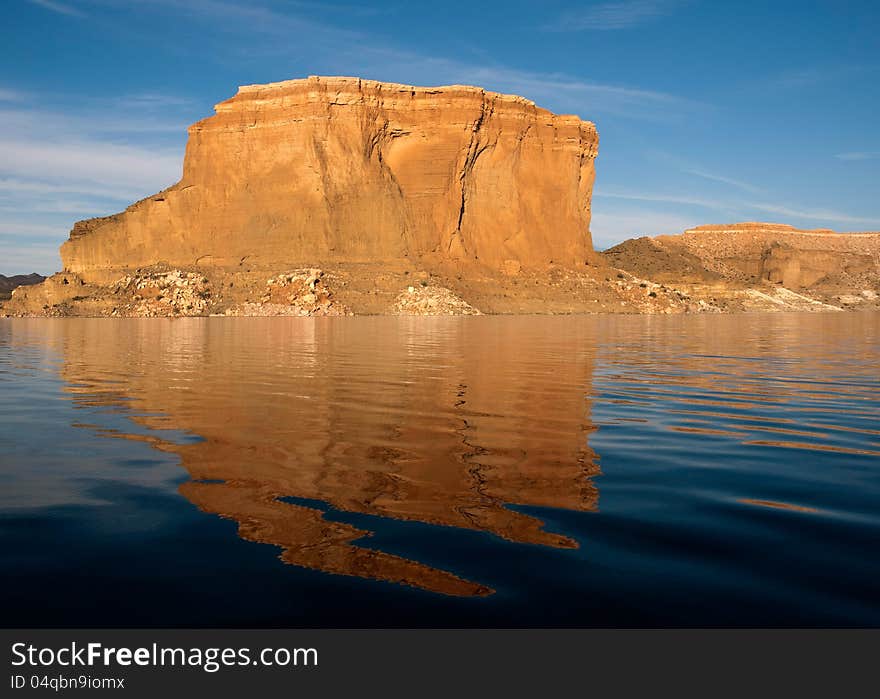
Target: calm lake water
pixel 477 471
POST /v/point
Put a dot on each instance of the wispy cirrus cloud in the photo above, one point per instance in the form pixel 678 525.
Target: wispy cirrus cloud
pixel 578 95
pixel 567 84
pixel 96 166
pixel 611 15
pixel 254 17
pixel 723 179
pixel 260 28
pixel 714 210
pixel 89 159
pixel 810 214
pixel 14 227
pixel 46 185
pixel 151 101
pixel 661 198
pixel 37 187
pixel 110 122
pixel 560 92
pixel 28 246
pixel 96 147
pixel 859 155
pixel 812 76
pixel 687 166
pixel 61 8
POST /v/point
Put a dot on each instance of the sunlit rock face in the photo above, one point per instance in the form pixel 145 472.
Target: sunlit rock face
pixel 356 170
pixel 782 254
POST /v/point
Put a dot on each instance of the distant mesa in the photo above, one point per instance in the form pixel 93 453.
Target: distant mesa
pixel 757 253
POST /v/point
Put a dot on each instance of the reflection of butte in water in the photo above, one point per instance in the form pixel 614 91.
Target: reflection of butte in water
pixel 437 421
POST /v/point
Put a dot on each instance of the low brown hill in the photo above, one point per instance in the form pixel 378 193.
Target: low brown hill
pixel 7 284
pixel 647 258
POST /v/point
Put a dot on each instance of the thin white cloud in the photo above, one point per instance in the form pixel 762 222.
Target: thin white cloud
pixel 695 169
pixel 731 210
pixel 252 27
pixel 859 155
pixel 560 92
pixel 12 227
pixel 739 184
pixel 152 101
pixel 82 208
pixel 60 167
pixel 101 165
pixel 559 82
pixel 236 17
pixel 802 78
pixel 815 214
pixel 660 198
pixel 59 7
pixel 689 167
pixel 93 121
pixel 47 154
pixel 611 16
pixel 819 75
pixel 36 188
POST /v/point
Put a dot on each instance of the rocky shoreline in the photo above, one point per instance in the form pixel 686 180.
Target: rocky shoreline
pixel 376 289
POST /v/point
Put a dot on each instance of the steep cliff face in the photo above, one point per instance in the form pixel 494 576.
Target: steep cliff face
pixel 355 170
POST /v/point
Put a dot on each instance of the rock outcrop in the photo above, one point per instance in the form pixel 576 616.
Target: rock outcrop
pixel 432 301
pixel 343 169
pixel 766 266
pixel 778 253
pixel 301 292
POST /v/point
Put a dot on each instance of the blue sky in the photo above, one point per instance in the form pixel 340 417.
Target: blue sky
pixel 708 112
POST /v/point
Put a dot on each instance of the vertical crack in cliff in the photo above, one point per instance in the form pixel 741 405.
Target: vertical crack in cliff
pixel 475 148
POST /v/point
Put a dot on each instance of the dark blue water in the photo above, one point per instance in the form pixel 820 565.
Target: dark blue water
pixel 486 471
